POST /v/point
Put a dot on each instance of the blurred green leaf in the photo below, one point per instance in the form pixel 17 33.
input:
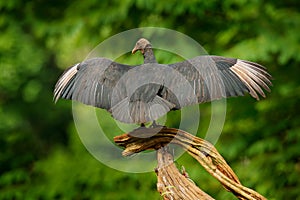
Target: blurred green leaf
pixel 41 156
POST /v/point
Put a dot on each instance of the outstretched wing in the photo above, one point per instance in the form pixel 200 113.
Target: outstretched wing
pixel 214 77
pixel 122 90
pixel 91 82
pixel 140 94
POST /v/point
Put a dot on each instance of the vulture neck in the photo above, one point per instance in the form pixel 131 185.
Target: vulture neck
pixel 149 55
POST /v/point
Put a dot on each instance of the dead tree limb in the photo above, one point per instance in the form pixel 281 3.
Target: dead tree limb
pixel 205 153
pixel 172 184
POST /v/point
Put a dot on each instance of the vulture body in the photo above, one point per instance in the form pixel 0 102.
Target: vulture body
pixel 143 93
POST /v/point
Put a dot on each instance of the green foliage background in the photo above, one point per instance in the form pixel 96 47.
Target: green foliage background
pixel 41 155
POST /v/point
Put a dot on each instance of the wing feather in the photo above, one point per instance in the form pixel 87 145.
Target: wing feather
pixel 215 77
pixel 91 82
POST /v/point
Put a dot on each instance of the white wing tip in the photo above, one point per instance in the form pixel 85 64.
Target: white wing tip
pixel 63 81
pixel 254 76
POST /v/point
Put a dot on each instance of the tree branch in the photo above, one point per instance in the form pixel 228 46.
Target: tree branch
pixel 171 184
pixel 205 153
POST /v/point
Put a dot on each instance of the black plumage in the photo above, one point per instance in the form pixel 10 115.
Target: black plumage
pixel 142 93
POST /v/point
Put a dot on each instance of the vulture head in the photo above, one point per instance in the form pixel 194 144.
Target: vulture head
pixel 141 45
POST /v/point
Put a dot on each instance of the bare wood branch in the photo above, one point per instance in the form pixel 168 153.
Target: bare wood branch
pixel 171 184
pixel 205 153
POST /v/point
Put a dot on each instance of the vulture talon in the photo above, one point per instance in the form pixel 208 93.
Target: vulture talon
pixel 155 125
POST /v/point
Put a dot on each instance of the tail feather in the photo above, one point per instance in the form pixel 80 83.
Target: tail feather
pixel 139 111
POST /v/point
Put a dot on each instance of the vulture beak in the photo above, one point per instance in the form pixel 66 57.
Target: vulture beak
pixel 135 49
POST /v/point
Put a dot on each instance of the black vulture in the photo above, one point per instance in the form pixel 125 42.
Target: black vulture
pixel 143 93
